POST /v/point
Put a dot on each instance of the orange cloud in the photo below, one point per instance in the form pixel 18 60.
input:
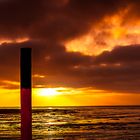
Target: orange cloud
pixel 106 35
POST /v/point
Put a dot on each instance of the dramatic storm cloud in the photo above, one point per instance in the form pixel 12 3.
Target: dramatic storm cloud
pixel 46 26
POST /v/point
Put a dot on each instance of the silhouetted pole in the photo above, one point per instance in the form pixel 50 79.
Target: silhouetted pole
pixel 26 90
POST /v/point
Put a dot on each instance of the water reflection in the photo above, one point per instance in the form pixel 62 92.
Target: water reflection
pixel 76 123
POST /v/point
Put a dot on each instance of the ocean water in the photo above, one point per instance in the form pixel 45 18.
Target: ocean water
pixel 75 123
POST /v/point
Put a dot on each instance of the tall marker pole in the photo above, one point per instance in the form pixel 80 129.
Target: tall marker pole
pixel 26 90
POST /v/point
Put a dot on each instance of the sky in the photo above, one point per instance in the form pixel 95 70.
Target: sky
pixel 84 52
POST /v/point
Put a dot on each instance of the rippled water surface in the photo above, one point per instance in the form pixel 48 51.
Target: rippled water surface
pixel 75 123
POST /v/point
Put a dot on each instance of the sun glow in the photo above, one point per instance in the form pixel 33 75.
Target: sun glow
pixel 49 92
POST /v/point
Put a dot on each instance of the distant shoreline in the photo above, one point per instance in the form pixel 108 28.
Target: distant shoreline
pixel 49 107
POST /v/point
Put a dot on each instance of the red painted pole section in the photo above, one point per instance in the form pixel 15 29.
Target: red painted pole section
pixel 26 90
pixel 26 119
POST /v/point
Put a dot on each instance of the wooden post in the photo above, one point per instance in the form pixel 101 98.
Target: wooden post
pixel 26 90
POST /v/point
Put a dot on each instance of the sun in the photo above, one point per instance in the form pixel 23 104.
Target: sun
pixel 48 92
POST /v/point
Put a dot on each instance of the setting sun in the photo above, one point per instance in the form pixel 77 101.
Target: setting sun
pixel 47 92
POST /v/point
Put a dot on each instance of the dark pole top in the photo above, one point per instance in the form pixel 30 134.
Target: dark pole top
pixel 25 64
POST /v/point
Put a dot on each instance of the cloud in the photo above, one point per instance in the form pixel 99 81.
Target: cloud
pixel 117 70
pixel 51 19
pixel 125 54
pixel 48 24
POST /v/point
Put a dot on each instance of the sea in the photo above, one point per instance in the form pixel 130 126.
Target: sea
pixel 74 123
